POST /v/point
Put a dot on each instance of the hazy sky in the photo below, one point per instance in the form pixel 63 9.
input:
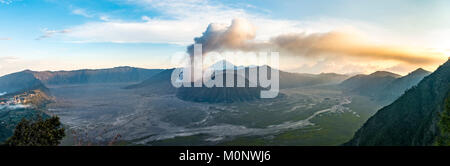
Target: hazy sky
pixel 397 36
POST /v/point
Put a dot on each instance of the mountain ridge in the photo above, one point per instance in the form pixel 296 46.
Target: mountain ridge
pixel 83 76
pixel 411 120
pixel 382 86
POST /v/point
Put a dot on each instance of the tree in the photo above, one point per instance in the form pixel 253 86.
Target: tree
pixel 444 125
pixel 37 132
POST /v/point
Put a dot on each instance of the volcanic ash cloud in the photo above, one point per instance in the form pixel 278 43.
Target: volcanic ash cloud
pixel 240 36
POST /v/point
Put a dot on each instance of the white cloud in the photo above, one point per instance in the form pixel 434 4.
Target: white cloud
pixel 146 18
pixel 104 18
pixel 81 12
pixel 7 2
pixel 182 21
pixel 51 33
pixel 8 59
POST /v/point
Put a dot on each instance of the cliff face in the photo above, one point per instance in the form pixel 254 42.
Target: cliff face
pixel 20 82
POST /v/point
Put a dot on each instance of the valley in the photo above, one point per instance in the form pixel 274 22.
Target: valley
pixel 100 111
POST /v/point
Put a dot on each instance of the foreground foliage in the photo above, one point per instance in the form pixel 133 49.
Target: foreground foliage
pixel 444 125
pixel 37 132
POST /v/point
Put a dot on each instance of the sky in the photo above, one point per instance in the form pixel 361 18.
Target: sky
pixel 342 36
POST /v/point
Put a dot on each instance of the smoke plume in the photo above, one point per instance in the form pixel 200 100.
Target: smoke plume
pixel 240 35
pixel 219 37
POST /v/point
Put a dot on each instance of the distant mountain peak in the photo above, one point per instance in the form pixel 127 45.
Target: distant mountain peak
pixel 384 74
pixel 332 74
pixel 26 71
pixel 123 67
pixel 268 67
pixel 222 65
pixel 419 71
